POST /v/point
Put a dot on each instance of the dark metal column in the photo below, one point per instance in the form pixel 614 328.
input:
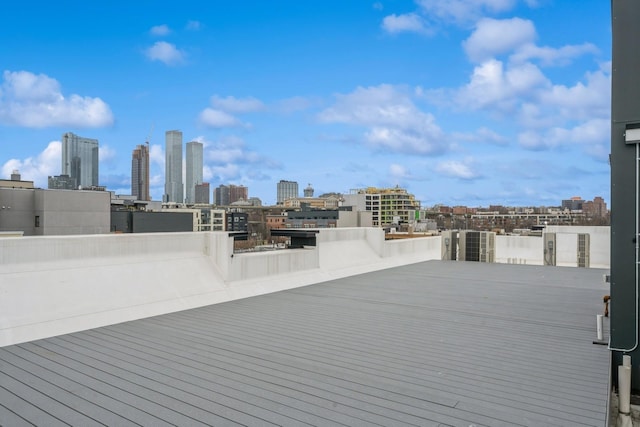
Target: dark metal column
pixel 625 117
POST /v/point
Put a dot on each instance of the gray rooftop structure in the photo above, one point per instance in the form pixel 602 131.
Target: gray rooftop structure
pixel 434 343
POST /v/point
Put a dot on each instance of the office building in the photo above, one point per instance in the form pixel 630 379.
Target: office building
pixel 140 172
pixel 286 190
pixel 80 159
pixel 194 165
pixel 221 195
pixel 202 193
pixel 173 188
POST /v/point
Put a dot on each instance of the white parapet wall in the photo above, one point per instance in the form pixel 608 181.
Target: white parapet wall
pixel 59 284
pixel 519 250
pixel 530 249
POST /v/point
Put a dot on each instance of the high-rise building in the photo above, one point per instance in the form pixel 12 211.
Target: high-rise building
pixel 237 192
pixel 202 193
pixel 173 189
pixel 194 169
pixel 80 159
pixel 286 190
pixel 140 172
pixel 221 195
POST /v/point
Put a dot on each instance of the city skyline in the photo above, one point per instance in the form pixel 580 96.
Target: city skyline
pixel 461 103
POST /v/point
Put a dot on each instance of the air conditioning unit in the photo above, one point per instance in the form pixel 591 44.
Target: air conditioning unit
pixel 477 246
pixel 584 249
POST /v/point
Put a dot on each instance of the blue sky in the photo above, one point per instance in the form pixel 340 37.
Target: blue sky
pixel 462 102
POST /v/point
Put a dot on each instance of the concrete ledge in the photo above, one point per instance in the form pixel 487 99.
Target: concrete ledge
pixel 56 285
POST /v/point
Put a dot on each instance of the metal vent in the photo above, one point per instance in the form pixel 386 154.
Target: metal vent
pixel 583 250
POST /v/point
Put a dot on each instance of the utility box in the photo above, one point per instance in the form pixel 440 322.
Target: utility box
pixel 550 248
pixel 449 245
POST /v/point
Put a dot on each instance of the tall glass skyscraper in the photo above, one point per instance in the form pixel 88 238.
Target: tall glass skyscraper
pixel 173 188
pixel 140 172
pixel 80 159
pixel 195 164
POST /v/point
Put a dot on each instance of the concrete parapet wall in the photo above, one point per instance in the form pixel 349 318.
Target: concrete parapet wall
pixel 255 265
pixel 519 250
pixel 53 285
pixel 530 249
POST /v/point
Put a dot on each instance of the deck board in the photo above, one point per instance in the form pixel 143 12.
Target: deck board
pixel 429 344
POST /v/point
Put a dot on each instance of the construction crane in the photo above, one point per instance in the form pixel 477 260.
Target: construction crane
pixel 148 139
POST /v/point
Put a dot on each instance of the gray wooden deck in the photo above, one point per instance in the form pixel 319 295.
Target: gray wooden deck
pixel 430 344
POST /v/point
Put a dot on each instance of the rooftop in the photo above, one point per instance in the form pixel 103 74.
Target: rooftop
pixel 433 343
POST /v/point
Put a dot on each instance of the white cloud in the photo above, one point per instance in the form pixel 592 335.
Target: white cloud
pixel 593 135
pixel 160 30
pixel 482 135
pixel 493 37
pixel 156 155
pixel 549 56
pixel 106 154
pixel 37 169
pixel 293 104
pixel 456 169
pixel 194 25
pixel 398 172
pixel 492 86
pixel 218 119
pixel 462 12
pixel 31 100
pixel 165 52
pixel 392 119
pixel 409 22
pixel 581 101
pixel 232 104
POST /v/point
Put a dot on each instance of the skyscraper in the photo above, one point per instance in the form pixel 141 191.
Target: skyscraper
pixel 194 169
pixel 80 159
pixel 140 172
pixel 173 189
pixel 286 190
pixel 221 195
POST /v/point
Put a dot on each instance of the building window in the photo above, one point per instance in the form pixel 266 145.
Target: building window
pixel 37 221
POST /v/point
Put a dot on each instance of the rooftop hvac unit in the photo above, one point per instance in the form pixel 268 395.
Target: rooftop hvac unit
pixel 584 249
pixel 477 246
